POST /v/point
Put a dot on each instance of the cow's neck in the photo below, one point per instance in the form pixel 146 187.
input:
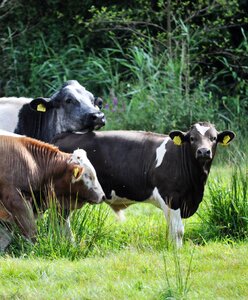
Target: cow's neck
pixel 50 162
pixel 47 129
pixel 195 176
pixel 191 168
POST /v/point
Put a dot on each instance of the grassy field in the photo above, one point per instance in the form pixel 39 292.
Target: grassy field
pixel 217 271
pixel 130 260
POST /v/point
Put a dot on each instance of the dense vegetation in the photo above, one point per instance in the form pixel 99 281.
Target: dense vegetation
pixel 158 64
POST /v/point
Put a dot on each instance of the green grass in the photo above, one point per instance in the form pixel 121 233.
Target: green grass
pixel 129 260
pixel 218 271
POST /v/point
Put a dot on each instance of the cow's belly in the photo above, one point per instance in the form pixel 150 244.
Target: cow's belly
pixel 122 203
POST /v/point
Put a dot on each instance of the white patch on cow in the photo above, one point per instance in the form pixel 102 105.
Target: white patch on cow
pixel 8 133
pixel 173 218
pixel 160 152
pixel 9 110
pixel 202 129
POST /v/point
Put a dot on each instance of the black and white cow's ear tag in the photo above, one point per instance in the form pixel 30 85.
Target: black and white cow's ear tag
pixel 177 140
pixel 41 108
pixel 225 140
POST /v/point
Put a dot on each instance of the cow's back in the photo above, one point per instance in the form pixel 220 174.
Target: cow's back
pixel 130 154
pixel 9 110
pixel 18 165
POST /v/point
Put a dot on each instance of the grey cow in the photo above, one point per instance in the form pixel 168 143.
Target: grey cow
pixel 71 108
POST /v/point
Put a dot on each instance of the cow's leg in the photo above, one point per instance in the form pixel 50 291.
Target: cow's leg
pixel 173 218
pixel 67 226
pixel 5 238
pixel 20 211
pixel 119 211
pixel 118 205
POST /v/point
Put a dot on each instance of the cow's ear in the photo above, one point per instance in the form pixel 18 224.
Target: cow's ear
pixel 178 137
pixel 77 172
pixel 98 102
pixel 40 104
pixel 225 137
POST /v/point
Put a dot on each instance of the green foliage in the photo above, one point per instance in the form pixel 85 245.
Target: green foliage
pixel 158 65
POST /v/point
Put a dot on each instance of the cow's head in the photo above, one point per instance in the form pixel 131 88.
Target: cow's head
pixel 80 183
pixel 76 108
pixel 203 139
pixel 89 177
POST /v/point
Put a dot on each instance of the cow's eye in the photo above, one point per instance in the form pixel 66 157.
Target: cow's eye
pixel 213 138
pixel 192 139
pixel 68 100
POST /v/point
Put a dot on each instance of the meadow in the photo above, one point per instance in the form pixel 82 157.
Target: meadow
pixel 134 259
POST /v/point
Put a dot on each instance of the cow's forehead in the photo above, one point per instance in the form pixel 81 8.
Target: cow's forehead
pixel 80 156
pixel 78 91
pixel 203 129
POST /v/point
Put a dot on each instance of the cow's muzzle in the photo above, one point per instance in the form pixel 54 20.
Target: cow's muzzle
pixel 203 154
pixel 97 120
pixel 97 200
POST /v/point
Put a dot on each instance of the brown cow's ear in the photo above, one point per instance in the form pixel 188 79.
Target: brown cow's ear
pixel 178 137
pixel 225 137
pixel 77 172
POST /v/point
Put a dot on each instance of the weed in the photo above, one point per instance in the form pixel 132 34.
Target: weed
pixel 181 286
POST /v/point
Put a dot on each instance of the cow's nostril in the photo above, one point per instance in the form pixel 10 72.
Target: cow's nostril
pixel 203 153
pixel 97 116
pixel 94 117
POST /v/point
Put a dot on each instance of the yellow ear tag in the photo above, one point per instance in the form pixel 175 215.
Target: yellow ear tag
pixel 75 172
pixel 177 140
pixel 41 107
pixel 226 139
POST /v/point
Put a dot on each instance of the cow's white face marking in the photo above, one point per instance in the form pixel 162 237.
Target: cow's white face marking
pixel 173 218
pixel 9 110
pixel 202 129
pixel 160 152
pixel 81 94
pixel 89 176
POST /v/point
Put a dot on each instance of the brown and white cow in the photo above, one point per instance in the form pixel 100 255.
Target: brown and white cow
pixel 169 171
pixel 30 166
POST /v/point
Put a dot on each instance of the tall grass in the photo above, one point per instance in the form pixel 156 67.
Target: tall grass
pixel 226 213
pixel 55 239
pixel 180 288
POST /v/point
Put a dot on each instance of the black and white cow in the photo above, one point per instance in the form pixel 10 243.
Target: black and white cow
pixel 72 108
pixel 169 171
